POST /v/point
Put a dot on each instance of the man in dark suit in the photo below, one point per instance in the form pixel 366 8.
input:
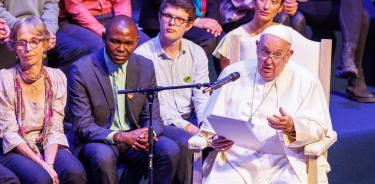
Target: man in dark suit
pixel 110 128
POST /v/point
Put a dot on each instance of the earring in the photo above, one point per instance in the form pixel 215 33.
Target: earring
pixel 45 60
pixel 17 59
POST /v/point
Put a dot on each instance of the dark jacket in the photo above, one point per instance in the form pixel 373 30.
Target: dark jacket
pixel 91 101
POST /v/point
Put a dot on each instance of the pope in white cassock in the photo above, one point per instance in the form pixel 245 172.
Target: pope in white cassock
pixel 286 107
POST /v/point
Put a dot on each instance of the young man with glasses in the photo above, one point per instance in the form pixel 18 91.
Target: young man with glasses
pixel 178 61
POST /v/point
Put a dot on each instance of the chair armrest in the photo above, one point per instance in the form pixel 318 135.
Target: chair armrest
pixel 320 147
pixel 197 142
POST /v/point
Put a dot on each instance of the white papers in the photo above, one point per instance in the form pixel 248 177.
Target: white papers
pixel 239 131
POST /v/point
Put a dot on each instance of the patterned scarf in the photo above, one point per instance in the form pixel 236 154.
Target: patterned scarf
pixel 19 107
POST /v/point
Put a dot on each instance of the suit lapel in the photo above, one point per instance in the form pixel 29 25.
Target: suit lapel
pixel 103 78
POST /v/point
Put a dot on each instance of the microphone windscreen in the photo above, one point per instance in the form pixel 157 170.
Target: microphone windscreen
pixel 234 76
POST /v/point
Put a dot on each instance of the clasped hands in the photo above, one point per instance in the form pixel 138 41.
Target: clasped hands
pixel 137 139
pixel 282 122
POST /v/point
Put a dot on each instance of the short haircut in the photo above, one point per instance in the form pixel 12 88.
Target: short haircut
pixel 115 20
pixel 187 5
pixel 31 23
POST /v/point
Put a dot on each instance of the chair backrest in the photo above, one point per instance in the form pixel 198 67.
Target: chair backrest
pixel 314 56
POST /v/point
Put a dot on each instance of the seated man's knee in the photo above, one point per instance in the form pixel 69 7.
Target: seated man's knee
pixel 298 22
pixel 298 19
pixel 39 176
pixel 100 157
pixel 283 18
pixel 76 175
pixel 167 150
pixel 202 38
pixel 103 162
pixel 365 18
pixel 72 171
pixel 208 43
pixel 68 49
pixel 8 177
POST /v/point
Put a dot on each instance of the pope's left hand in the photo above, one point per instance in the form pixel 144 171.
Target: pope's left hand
pixel 283 122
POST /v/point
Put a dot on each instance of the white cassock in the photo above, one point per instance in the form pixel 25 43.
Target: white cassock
pixel 273 159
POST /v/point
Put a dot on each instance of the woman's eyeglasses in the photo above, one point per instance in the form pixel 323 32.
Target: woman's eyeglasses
pixel 22 44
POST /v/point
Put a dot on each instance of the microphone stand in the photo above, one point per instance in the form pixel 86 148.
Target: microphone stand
pixel 150 93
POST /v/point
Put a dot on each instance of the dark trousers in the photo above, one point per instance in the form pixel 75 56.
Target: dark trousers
pixel 87 39
pixel 8 58
pixel 67 50
pixel 7 177
pixel 352 19
pixel 101 161
pixel 67 166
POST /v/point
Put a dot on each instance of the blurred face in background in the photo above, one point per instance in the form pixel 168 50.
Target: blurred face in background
pixel 266 10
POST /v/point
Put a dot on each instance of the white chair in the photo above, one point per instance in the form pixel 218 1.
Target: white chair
pixel 315 57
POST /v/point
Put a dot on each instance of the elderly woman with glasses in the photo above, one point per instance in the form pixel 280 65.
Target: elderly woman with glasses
pixel 32 103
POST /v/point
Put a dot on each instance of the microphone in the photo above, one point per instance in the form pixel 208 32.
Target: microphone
pixel 218 84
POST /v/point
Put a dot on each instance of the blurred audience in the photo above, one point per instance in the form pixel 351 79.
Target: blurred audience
pixel 235 13
pixel 264 13
pixel 85 20
pixel 353 21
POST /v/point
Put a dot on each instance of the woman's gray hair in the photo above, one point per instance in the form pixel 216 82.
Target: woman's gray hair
pixel 31 23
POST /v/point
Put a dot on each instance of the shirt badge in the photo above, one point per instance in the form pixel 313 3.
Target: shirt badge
pixel 130 96
pixel 187 78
